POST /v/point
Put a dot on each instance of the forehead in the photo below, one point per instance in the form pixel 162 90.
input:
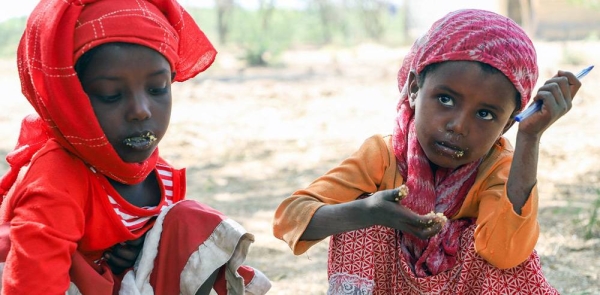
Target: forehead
pixel 115 56
pixel 471 79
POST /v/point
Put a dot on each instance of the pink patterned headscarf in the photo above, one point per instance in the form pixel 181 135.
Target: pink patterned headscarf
pixel 463 35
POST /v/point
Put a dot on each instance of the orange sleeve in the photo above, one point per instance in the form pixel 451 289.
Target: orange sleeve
pixel 502 237
pixel 360 173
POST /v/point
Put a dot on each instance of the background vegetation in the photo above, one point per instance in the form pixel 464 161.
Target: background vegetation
pixel 309 84
pixel 260 34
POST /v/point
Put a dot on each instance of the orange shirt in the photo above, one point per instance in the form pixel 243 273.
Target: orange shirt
pixel 503 238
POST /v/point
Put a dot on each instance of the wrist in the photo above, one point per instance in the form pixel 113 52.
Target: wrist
pixel 524 137
pixel 368 211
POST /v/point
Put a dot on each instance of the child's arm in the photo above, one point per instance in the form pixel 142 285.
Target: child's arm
pixel 557 94
pixel 378 209
pixel 44 230
pixel 46 223
pixel 330 206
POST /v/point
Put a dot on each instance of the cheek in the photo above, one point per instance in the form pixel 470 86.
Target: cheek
pixel 486 138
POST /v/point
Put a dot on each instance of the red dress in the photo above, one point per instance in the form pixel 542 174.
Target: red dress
pixel 62 219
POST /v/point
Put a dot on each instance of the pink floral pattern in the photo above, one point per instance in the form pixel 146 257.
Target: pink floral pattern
pixel 369 261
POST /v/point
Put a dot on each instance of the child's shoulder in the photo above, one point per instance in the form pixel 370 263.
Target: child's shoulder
pixel 52 153
pixel 55 163
pixel 376 145
pixel 499 158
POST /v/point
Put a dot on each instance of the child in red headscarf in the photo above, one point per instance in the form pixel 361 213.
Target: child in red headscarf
pixel 87 194
pixel 461 86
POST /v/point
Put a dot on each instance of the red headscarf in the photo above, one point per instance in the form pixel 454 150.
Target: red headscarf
pixel 58 32
pixel 463 35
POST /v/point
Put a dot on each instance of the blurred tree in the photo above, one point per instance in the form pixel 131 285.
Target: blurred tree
pixel 224 15
pixel 327 16
pixel 258 49
pixel 265 10
pixel 521 11
pixel 372 13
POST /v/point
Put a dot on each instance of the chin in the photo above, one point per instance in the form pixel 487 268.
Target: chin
pixel 136 158
pixel 446 163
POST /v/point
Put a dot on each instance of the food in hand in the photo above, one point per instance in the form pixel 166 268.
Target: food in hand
pixel 402 193
pixel 441 217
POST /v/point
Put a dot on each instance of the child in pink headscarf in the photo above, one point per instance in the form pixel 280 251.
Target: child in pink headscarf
pixel 462 84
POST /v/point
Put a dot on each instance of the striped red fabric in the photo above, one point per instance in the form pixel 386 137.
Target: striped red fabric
pixel 135 222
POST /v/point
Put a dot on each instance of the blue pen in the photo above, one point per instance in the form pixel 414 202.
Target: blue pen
pixel 538 104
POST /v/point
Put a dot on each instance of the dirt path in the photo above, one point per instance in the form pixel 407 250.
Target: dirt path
pixel 251 137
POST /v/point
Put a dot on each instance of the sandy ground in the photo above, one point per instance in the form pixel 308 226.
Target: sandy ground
pixel 250 137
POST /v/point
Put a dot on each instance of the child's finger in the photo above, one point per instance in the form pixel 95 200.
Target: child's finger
pixel 116 264
pixel 426 232
pixel 554 99
pixel 395 195
pixel 124 252
pixel 421 222
pixel 137 242
pixel 573 83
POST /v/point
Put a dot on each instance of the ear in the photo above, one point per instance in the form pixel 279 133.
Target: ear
pixel 413 84
pixel 510 123
pixel 413 88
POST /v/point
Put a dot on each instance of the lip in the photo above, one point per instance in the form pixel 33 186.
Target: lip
pixel 140 141
pixel 449 149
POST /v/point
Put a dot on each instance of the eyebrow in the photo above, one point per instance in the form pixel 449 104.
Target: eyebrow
pixel 456 94
pixel 114 78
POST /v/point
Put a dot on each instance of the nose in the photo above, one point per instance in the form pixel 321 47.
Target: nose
pixel 139 107
pixel 458 124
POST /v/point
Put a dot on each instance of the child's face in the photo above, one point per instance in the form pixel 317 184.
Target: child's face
pixel 129 87
pixel 460 111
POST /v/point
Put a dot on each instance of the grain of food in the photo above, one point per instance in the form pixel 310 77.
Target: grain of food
pixel 402 193
pixel 443 219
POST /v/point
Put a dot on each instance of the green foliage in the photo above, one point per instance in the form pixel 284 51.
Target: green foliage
pixel 262 39
pixel 11 31
pixel 593 221
pixel 594 4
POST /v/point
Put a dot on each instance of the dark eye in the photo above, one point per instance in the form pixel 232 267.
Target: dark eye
pixel 159 91
pixel 445 100
pixel 486 115
pixel 108 98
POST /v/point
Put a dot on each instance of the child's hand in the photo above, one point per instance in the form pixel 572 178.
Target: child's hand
pixel 393 214
pixel 557 95
pixel 122 256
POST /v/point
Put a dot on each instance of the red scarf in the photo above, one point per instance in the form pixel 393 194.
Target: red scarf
pixel 471 35
pixel 58 32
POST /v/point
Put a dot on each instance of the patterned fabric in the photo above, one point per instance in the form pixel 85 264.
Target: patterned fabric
pixel 57 33
pixel 178 256
pixel 135 222
pixel 472 35
pixel 475 35
pixel 367 262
